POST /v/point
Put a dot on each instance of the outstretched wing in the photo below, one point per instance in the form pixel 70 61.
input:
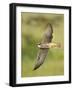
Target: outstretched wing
pixel 40 58
pixel 47 38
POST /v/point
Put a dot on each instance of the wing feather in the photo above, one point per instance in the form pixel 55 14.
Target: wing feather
pixel 40 58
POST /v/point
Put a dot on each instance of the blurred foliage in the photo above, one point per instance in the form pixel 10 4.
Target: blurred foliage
pixel 32 28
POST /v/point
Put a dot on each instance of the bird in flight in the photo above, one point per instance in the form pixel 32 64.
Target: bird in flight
pixel 44 46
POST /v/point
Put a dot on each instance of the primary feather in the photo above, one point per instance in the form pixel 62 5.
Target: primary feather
pixel 47 38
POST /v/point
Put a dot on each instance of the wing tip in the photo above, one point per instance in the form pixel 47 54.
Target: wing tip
pixel 34 69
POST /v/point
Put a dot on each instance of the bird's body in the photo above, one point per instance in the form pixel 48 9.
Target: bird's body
pixel 48 45
pixel 47 38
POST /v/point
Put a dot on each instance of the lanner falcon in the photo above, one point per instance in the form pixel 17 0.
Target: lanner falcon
pixel 44 46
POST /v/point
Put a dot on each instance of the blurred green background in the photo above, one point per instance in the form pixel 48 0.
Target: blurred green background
pixel 32 29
